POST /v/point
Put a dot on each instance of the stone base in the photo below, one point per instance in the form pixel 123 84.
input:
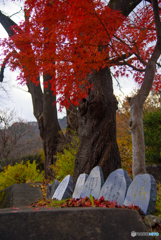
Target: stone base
pixel 70 224
pixel 20 195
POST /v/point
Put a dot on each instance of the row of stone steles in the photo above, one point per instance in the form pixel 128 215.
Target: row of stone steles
pixel 118 187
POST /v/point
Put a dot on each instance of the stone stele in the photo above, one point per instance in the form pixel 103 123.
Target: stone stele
pixel 142 193
pixel 65 189
pixel 79 185
pixel 115 186
pixel 93 183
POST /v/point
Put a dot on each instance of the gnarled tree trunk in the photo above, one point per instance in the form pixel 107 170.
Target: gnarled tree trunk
pixel 97 117
pixel 97 127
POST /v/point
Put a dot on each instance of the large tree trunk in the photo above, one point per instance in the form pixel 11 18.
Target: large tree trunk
pixel 138 145
pixel 97 118
pixel 136 103
pixel 37 102
pixel 97 127
pixel 51 128
pixel 44 111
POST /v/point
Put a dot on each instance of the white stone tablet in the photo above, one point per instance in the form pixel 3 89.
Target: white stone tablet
pixel 79 185
pixel 93 183
pixel 65 189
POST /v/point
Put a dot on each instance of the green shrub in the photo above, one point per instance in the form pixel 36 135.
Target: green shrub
pixel 65 161
pixel 20 173
pixel 152 134
pixel 39 158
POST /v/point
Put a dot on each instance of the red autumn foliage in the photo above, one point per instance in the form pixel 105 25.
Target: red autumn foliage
pixel 70 39
pixel 86 202
pixel 81 202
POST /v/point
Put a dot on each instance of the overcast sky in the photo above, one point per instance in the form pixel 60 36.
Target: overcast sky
pixel 14 96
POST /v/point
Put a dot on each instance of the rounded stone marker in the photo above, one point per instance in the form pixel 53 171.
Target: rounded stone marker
pixel 79 185
pixel 142 193
pixel 115 186
pixel 93 183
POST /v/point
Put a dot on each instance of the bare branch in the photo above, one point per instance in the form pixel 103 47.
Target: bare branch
pixel 118 84
pixel 129 65
pixel 16 12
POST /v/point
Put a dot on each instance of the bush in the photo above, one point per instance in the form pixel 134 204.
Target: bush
pixel 20 173
pixel 152 134
pixel 39 158
pixel 126 157
pixel 65 161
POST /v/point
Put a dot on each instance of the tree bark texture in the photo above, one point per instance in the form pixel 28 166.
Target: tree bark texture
pixel 97 127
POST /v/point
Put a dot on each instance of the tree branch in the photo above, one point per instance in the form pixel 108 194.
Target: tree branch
pixel 125 6
pixel 7 23
pixel 3 66
pixel 156 17
pixel 151 66
pixel 16 13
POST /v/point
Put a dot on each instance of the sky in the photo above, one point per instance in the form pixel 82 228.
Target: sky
pixel 14 96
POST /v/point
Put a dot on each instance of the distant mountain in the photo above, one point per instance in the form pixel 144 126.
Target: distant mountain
pixel 62 123
pixel 21 139
pixel 27 137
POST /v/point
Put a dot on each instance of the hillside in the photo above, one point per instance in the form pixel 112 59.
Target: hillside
pixel 21 139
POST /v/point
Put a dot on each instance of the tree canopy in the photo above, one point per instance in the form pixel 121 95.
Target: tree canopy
pixel 80 36
pixel 73 44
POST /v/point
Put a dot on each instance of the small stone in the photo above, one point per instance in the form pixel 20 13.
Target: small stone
pixel 48 190
pixel 51 188
pixel 151 220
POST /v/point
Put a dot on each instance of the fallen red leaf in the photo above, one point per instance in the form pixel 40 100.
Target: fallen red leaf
pixel 36 209
pixel 103 205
